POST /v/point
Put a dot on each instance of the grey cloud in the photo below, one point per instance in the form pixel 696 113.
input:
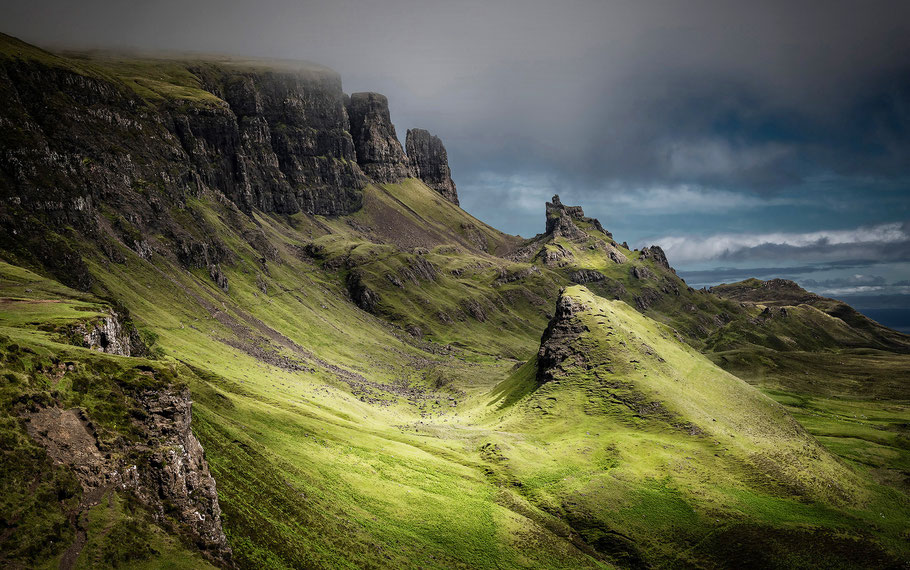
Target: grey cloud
pixel 848 281
pixel 731 274
pixel 755 94
pixel 822 250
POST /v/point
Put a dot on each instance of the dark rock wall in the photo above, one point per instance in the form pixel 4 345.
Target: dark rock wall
pixel 83 157
pixel 379 153
pixel 430 163
pixel 282 139
pixel 88 160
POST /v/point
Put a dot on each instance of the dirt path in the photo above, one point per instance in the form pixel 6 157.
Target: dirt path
pixel 79 519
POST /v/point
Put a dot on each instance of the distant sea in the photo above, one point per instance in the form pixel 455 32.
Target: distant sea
pixel 892 311
pixel 897 319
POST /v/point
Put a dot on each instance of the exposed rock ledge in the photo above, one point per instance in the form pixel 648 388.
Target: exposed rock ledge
pixel 112 335
pixel 167 471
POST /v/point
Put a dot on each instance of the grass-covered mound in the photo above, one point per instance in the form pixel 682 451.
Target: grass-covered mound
pixel 642 445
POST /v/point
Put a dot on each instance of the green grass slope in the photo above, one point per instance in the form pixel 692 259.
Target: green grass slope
pixel 334 435
pixel 341 437
pixel 643 445
pixel 40 501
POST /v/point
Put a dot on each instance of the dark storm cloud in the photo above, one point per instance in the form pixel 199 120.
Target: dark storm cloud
pixel 757 94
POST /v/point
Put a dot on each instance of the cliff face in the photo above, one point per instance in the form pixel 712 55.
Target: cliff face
pixel 379 153
pixel 279 144
pixel 167 471
pixel 100 151
pixel 430 163
pixel 89 154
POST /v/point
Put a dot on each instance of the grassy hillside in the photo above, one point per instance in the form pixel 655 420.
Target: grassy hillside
pixel 643 446
pixel 338 437
pixel 41 502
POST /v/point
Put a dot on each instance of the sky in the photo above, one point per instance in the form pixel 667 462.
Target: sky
pixel 765 139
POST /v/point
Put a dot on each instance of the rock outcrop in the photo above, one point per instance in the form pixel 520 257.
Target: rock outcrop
pixel 114 334
pixel 641 272
pixel 430 163
pixel 165 468
pixel 562 221
pixel 108 336
pixel 379 154
pixel 555 344
pixel 583 276
pixel 176 472
pixel 657 255
pixel 360 293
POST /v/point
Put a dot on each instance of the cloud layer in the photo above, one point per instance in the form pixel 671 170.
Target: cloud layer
pixel 890 241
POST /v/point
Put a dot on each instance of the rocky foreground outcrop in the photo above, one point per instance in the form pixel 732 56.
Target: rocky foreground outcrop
pixel 164 467
pixel 430 163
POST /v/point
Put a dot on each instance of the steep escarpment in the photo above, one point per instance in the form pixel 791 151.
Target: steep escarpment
pixel 106 151
pixel 379 153
pixel 279 144
pixel 100 151
pixel 430 162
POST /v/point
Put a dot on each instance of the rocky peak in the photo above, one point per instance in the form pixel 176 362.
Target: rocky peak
pixel 379 153
pixel 561 220
pixel 556 342
pixel 430 163
pixel 656 254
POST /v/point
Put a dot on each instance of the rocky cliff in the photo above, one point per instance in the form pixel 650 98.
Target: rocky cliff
pixel 430 163
pixel 556 342
pixel 379 153
pixel 280 143
pixel 163 466
pixel 101 150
